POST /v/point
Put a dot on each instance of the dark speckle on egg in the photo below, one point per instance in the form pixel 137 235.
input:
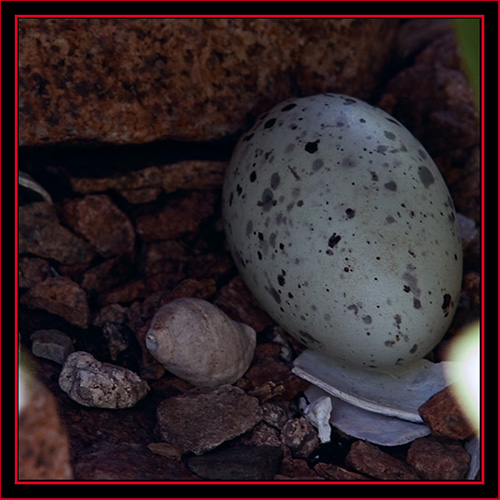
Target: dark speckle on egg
pixel 312 147
pixel 391 186
pixel 425 176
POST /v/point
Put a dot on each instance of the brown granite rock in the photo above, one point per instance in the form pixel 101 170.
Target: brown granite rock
pixel 443 414
pixel 193 174
pixel 62 297
pixel 41 234
pixel 44 451
pixel 438 459
pixel 182 214
pixel 102 223
pixel 139 80
pixel 202 419
pixel 335 473
pixel 31 271
pixel 368 459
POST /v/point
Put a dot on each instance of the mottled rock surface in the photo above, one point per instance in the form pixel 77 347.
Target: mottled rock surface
pixel 444 415
pixel 368 459
pixel 202 419
pixel 140 80
pixel 92 383
pixel 438 459
pixel 60 296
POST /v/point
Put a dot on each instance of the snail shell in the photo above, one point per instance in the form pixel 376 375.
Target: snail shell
pixel 199 343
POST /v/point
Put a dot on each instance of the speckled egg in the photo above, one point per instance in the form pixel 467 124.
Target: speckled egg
pixel 343 228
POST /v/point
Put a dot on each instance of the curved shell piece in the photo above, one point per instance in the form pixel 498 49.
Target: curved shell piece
pixel 199 343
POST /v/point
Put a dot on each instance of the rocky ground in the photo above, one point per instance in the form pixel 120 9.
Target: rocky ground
pixel 111 229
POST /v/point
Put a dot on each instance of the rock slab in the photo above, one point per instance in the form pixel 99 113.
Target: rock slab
pixel 139 80
pixel 202 419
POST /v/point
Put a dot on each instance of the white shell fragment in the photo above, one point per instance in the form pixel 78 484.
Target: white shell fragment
pixel 92 383
pixel 199 343
pixel 397 394
pixel 343 228
pixel 362 424
pixel 318 413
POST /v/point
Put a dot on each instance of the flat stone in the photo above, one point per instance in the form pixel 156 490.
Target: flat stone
pixel 202 419
pixel 102 223
pixel 368 459
pixel 60 296
pixel 127 81
pixel 241 463
pixel 92 383
pixel 51 344
pixel 438 459
pixel 444 415
pixel 41 234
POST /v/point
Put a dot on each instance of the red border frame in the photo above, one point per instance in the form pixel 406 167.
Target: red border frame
pixel 481 106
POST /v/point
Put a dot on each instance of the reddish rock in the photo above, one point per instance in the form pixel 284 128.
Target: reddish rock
pixel 368 459
pixel 43 445
pixel 32 270
pixel 40 233
pixel 148 182
pixel 297 469
pixel 443 414
pixel 62 297
pixel 139 80
pixel 202 419
pixel 335 473
pixel 102 223
pixel 438 459
pixel 181 215
pixel 238 303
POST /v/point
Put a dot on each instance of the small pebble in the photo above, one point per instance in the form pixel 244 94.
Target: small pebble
pixel 438 459
pixel 443 414
pixel 92 383
pixel 51 344
pixel 300 436
pixel 368 459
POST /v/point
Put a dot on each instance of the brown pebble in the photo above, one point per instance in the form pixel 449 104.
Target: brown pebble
pixel 335 473
pixel 300 436
pixel 443 414
pixel 368 459
pixel 438 459
pixel 62 297
pixel 102 223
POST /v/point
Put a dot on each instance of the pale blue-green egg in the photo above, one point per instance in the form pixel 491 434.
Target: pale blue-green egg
pixel 343 228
